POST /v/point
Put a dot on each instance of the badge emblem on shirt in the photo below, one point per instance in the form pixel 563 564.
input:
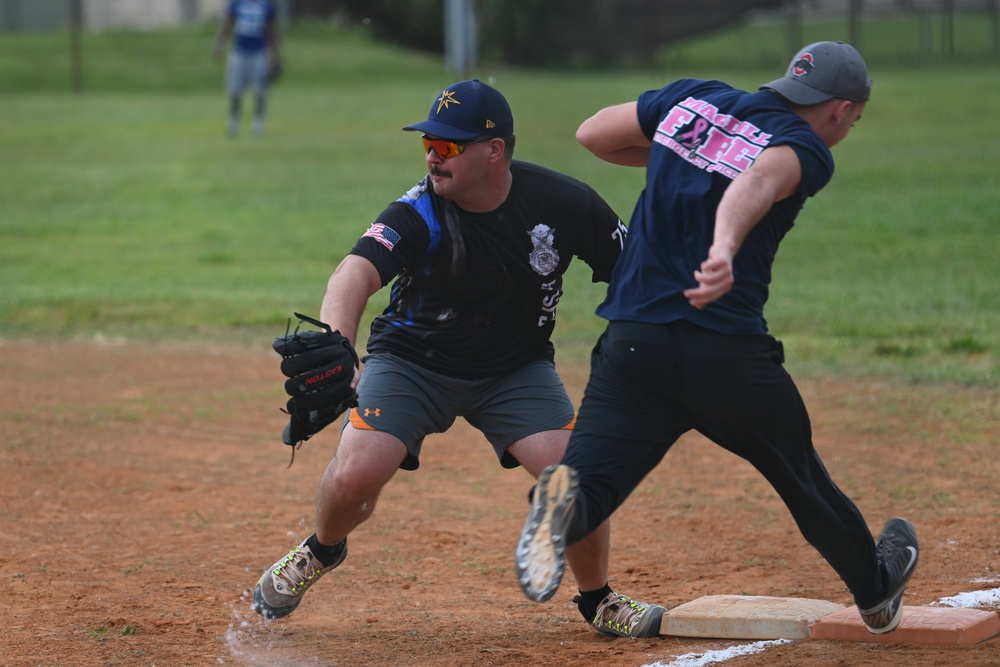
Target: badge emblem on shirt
pixel 543 258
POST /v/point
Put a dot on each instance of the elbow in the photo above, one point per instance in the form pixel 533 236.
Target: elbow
pixel 591 135
pixel 585 137
pixel 355 274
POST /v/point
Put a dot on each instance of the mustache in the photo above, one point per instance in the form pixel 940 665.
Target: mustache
pixel 438 171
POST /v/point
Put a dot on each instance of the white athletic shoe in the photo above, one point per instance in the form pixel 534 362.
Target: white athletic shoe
pixel 540 558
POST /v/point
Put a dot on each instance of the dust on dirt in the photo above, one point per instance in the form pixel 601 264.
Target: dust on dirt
pixel 144 489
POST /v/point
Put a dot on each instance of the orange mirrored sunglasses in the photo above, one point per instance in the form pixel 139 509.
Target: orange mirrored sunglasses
pixel 448 149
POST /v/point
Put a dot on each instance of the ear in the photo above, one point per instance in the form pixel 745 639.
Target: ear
pixel 839 110
pixel 497 147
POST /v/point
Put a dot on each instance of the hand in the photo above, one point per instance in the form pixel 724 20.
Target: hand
pixel 715 279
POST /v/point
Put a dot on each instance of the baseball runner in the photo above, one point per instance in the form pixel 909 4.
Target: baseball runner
pixel 687 346
pixel 254 61
pixel 477 250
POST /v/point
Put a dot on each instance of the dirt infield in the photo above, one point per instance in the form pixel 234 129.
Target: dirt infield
pixel 143 489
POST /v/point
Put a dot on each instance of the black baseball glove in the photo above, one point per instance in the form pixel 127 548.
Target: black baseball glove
pixel 320 367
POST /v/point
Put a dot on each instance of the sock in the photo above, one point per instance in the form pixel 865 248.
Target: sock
pixel 323 553
pixel 587 602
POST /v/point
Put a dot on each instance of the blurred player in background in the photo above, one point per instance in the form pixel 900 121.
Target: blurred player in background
pixel 254 55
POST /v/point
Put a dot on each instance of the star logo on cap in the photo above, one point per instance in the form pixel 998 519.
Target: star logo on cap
pixel 447 97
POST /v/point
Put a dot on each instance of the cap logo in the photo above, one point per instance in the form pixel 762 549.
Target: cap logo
pixel 490 124
pixel 447 97
pixel 803 65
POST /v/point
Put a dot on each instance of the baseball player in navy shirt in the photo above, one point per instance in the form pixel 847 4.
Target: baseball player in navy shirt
pixel 687 346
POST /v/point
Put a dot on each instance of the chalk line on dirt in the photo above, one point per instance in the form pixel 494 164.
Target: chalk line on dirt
pixel 988 598
pixel 721 655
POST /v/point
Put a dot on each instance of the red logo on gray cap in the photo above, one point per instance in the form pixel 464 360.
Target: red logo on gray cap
pixel 803 65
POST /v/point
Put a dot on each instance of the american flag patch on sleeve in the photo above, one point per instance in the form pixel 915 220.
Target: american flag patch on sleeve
pixel 387 236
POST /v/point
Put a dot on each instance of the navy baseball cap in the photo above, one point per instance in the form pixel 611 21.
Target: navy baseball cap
pixel 466 110
pixel 823 71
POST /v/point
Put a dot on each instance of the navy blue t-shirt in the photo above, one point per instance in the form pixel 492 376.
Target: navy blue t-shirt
pixel 250 19
pixel 704 134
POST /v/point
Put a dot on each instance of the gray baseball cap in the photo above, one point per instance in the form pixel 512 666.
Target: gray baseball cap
pixel 823 71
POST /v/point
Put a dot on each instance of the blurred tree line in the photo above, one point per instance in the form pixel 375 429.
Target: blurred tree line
pixel 546 33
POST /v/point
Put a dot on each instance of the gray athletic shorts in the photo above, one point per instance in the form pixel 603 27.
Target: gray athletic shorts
pixel 409 401
pixel 246 70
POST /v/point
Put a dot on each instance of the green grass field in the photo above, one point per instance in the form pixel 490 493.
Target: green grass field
pixel 127 211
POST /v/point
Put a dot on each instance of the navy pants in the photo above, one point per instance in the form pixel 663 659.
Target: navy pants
pixel 651 383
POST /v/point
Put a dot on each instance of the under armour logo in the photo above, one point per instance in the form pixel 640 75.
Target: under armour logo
pixel 377 412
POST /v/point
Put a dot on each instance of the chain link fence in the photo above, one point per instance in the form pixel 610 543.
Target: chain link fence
pixel 59 45
pixel 901 31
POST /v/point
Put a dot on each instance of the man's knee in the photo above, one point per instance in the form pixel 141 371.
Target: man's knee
pixel 539 450
pixel 365 462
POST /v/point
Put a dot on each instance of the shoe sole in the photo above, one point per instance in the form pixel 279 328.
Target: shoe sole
pixel 540 558
pixel 261 606
pixel 896 599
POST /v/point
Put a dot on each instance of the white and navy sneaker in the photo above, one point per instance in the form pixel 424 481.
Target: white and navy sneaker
pixel 897 551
